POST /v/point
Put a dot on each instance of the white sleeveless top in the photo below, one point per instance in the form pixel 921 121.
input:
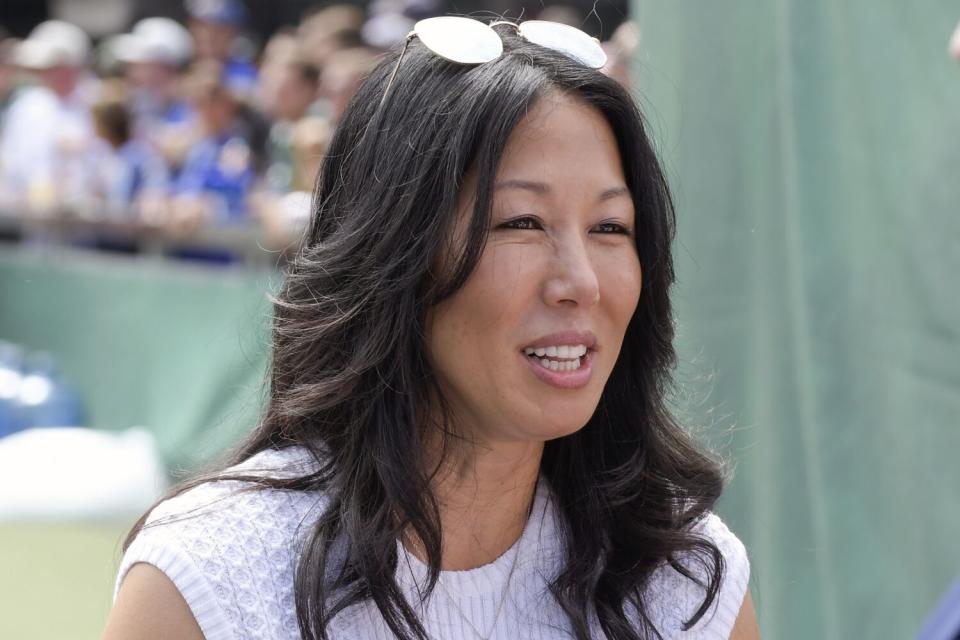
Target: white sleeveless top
pixel 232 555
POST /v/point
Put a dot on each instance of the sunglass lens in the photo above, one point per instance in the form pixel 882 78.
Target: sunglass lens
pixel 457 39
pixel 565 39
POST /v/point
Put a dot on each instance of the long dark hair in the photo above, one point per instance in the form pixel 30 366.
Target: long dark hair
pixel 349 377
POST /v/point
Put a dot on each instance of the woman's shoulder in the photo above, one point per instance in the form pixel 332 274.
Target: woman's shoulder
pixel 674 598
pixel 222 498
pixel 713 528
pixel 230 546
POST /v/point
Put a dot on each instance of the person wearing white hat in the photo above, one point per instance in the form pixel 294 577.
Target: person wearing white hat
pixel 168 34
pixel 48 126
pixel 70 37
pixel 153 55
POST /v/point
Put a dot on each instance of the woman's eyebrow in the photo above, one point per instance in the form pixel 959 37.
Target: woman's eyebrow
pixel 542 188
pixel 615 192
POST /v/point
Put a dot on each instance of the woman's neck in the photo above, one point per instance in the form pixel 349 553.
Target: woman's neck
pixel 484 503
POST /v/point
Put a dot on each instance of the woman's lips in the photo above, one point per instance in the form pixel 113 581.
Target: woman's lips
pixel 563 378
pixel 566 337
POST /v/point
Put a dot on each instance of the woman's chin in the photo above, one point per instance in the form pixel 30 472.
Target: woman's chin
pixel 544 430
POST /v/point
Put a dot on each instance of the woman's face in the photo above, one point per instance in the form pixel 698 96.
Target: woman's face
pixel 523 350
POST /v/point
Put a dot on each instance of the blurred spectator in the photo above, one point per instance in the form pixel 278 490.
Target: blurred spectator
pixel 311 137
pixel 216 26
pixel 47 128
pixel 562 13
pixel 296 92
pixel 296 89
pixel 284 216
pixel 280 48
pixel 7 72
pixel 218 173
pixel 620 49
pixel 342 74
pixel 329 30
pixel 128 174
pixel 77 42
pixel 298 141
pixel 187 132
pixel 153 55
pixel 391 20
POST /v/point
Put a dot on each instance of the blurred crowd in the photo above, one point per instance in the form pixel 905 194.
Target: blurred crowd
pixel 179 127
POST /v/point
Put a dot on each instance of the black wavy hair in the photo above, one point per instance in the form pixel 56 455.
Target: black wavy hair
pixel 349 375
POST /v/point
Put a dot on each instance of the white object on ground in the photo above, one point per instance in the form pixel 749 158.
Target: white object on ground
pixel 59 473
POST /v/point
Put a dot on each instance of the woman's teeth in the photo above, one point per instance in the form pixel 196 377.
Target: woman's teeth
pixel 561 351
pixel 558 358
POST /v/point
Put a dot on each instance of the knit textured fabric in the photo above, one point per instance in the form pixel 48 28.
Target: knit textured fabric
pixel 233 555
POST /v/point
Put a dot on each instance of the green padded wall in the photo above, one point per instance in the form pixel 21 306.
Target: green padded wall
pixel 178 349
pixel 813 147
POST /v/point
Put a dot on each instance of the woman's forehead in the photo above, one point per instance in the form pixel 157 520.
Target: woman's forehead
pixel 562 141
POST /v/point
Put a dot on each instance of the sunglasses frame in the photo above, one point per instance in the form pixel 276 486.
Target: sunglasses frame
pixel 601 57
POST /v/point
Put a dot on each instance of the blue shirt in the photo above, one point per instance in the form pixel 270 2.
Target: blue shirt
pixel 221 167
pixel 123 174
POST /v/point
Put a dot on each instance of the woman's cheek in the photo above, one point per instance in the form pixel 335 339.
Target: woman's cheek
pixel 620 265
pixel 512 268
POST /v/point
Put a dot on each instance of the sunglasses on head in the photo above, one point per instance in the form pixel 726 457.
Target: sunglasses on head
pixel 469 41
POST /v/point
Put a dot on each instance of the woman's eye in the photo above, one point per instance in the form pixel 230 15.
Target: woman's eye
pixel 612 227
pixel 521 223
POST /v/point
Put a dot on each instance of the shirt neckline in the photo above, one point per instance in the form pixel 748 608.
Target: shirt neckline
pixel 490 578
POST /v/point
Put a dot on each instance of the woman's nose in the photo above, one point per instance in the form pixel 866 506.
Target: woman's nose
pixel 572 280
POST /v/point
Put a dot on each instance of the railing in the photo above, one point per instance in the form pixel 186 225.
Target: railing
pixel 246 243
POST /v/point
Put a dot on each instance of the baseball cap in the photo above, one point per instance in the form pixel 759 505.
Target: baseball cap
pixel 154 40
pixel 227 12
pixel 69 37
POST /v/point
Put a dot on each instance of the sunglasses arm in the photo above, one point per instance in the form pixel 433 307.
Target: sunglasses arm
pixel 393 74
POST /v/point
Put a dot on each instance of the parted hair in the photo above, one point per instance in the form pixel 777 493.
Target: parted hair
pixel 349 377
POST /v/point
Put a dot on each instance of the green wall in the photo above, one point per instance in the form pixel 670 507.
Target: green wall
pixel 176 348
pixel 813 147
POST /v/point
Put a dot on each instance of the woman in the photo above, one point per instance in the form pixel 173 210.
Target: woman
pixel 467 434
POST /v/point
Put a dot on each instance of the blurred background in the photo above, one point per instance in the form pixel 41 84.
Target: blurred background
pixel 156 163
